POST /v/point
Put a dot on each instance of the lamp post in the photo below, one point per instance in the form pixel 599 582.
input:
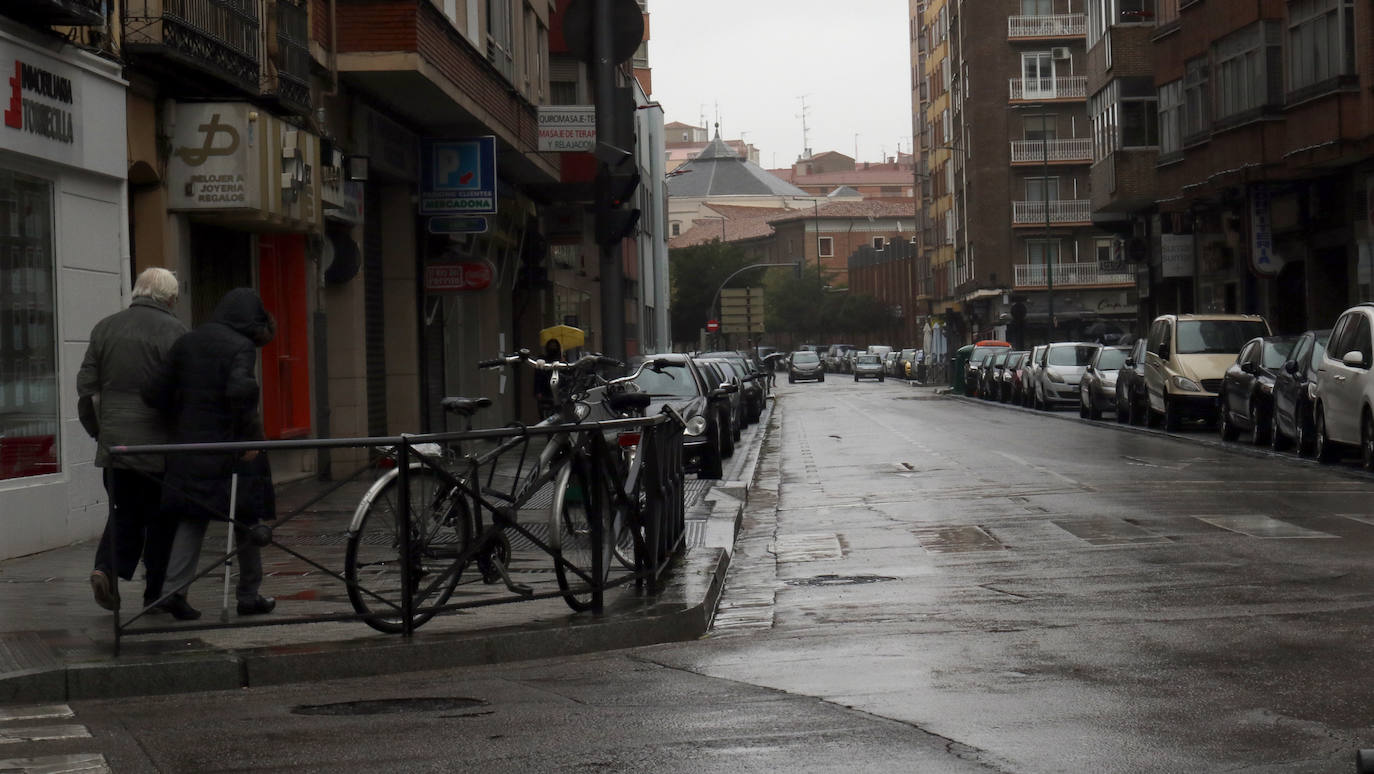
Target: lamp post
pixel 1045 190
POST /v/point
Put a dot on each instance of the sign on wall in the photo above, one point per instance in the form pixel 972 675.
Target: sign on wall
pixel 458 276
pixel 1175 255
pixel 1264 259
pixel 458 177
pixel 567 128
pixel 42 105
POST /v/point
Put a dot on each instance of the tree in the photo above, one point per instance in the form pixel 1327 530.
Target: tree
pixel 808 308
pixel 695 274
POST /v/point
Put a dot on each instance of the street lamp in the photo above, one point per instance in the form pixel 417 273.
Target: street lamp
pixel 1045 194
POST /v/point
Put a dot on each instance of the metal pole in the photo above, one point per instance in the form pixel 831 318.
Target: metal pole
pixel 403 526
pixel 1045 187
pixel 816 209
pixel 612 269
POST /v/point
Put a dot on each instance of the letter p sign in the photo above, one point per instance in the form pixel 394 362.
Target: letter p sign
pixel 457 166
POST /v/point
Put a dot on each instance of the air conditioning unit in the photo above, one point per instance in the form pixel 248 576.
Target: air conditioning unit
pixel 1060 53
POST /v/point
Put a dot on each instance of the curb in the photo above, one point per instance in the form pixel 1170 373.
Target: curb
pixel 682 611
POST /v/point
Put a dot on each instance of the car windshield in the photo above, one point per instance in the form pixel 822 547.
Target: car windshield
pixel 804 358
pixel 981 353
pixel 1071 356
pixel 868 359
pixel 1111 359
pixel 674 381
pixel 1276 353
pixel 1216 337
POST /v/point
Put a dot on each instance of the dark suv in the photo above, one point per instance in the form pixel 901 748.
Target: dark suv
pixel 804 365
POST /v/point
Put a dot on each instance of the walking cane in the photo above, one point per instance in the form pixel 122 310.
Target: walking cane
pixel 229 542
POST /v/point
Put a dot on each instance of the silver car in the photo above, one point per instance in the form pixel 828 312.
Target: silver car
pixel 1056 382
pixel 1097 389
pixel 868 366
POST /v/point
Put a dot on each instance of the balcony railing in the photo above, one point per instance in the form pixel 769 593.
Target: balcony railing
pixel 219 37
pixel 1062 87
pixel 1061 212
pixel 289 80
pixel 1052 26
pixel 1072 149
pixel 1113 273
pixel 74 13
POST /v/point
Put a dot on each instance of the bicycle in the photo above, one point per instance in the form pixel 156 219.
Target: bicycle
pixel 447 502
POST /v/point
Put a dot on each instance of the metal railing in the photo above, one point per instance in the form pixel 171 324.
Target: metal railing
pixel 1058 151
pixel 1061 212
pixel 1050 26
pixel 218 36
pixel 290 81
pixel 661 526
pixel 1096 273
pixel 1059 87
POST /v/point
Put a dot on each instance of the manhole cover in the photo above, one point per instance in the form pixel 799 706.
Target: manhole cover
pixel 389 706
pixel 839 580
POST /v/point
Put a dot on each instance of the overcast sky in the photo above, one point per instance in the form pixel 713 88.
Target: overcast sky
pixel 755 58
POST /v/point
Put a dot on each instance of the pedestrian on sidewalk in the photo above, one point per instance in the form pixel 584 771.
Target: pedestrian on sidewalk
pixel 126 352
pixel 209 391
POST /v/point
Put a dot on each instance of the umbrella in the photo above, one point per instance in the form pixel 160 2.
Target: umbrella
pixel 568 337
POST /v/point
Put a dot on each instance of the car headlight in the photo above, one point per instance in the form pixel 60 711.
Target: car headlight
pixel 1055 377
pixel 1185 384
pixel 695 426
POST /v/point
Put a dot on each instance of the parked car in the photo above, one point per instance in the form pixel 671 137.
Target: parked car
pixel 1007 374
pixel 1185 359
pixel 980 352
pixel 987 372
pixel 880 350
pixel 906 363
pixel 868 366
pixel 719 374
pixel 1295 387
pixel 752 381
pixel 680 383
pixel 1056 382
pixel 890 362
pixel 804 365
pixel 1017 381
pixel 1247 388
pixel 1028 376
pixel 1345 388
pixel 1097 388
pixel 1132 404
pixel 834 357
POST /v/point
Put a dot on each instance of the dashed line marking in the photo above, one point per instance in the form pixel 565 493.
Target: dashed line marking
pixel 36 712
pixel 43 733
pixel 1258 525
pixel 78 763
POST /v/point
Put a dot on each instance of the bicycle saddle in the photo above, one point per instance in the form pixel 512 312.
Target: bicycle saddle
pixel 464 406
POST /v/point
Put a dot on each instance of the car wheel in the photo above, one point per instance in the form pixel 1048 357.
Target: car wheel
pixel 1172 421
pixel 1094 411
pixel 1306 431
pixel 1277 440
pixel 1367 442
pixel 712 466
pixel 1225 426
pixel 1123 411
pixel 882 378
pixel 791 379
pixel 1322 448
pixel 820 378
pixel 1082 407
pixel 1259 425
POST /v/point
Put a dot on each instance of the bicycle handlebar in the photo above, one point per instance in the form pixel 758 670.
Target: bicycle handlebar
pixel 584 363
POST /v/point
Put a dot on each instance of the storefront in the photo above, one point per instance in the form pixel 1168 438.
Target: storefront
pixel 63 266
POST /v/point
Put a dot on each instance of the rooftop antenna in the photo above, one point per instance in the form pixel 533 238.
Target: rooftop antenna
pixel 806 133
pixel 856 146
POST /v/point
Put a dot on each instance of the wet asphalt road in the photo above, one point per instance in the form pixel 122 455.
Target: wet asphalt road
pixel 920 584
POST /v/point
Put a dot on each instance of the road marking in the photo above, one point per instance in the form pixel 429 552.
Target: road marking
pixel 806 548
pixel 86 763
pixel 42 734
pixel 1260 526
pixel 951 540
pixel 1109 532
pixel 1043 469
pixel 36 712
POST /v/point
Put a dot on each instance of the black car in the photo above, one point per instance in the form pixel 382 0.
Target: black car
pixel 719 373
pixel 752 381
pixel 680 383
pixel 804 364
pixel 1247 388
pixel 1291 421
pixel 989 375
pixel 1132 402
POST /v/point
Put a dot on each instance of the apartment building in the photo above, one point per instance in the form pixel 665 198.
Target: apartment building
pixel 1006 145
pixel 1264 156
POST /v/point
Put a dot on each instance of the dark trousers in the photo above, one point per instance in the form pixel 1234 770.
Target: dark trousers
pixel 136 528
pixel 185 563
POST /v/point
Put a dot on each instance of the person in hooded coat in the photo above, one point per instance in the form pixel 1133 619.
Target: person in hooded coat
pixel 209 391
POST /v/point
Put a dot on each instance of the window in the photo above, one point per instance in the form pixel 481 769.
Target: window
pixel 1037 72
pixel 28 342
pixel 1197 98
pixel 1104 248
pixel 677 228
pixel 1039 189
pixel 499 37
pixel 285 360
pixel 827 246
pixel 1037 7
pixel 878 243
pixel 1041 251
pixel 1321 42
pixel 1171 117
pixel 1362 343
pixel 1247 70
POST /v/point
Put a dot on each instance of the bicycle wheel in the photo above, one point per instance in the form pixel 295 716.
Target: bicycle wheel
pixel 440 529
pixel 576 534
pixel 627 514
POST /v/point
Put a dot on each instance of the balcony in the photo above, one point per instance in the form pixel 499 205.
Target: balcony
pixel 69 13
pixel 216 37
pixel 1063 25
pixel 1065 87
pixel 1062 212
pixel 1070 274
pixel 1073 150
pixel 288 64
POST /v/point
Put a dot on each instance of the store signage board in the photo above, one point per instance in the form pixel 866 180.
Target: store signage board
pixel 458 177
pixel 458 276
pixel 43 109
pixel 567 128
pixel 457 224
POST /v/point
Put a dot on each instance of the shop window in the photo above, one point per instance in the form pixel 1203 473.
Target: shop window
pixel 285 361
pixel 28 354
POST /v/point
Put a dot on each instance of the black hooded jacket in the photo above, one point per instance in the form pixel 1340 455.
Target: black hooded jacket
pixel 209 391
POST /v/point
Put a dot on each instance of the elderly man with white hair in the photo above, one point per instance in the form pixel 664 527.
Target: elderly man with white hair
pixel 126 353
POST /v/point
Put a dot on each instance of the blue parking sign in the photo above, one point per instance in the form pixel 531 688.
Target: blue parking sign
pixel 458 177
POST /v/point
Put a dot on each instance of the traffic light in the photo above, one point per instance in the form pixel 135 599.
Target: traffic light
pixel 617 180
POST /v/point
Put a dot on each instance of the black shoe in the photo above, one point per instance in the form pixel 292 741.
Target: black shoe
pixel 105 589
pixel 259 606
pixel 181 609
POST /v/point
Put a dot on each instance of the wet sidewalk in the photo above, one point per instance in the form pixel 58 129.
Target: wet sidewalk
pixel 56 644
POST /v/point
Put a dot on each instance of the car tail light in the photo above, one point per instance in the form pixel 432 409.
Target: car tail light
pixel 627 440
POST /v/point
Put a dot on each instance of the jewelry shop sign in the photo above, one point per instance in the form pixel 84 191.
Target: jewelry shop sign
pixel 567 128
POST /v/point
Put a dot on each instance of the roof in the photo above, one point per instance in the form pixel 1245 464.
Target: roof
pixel 736 224
pixel 870 208
pixel 719 171
pixel 843 190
